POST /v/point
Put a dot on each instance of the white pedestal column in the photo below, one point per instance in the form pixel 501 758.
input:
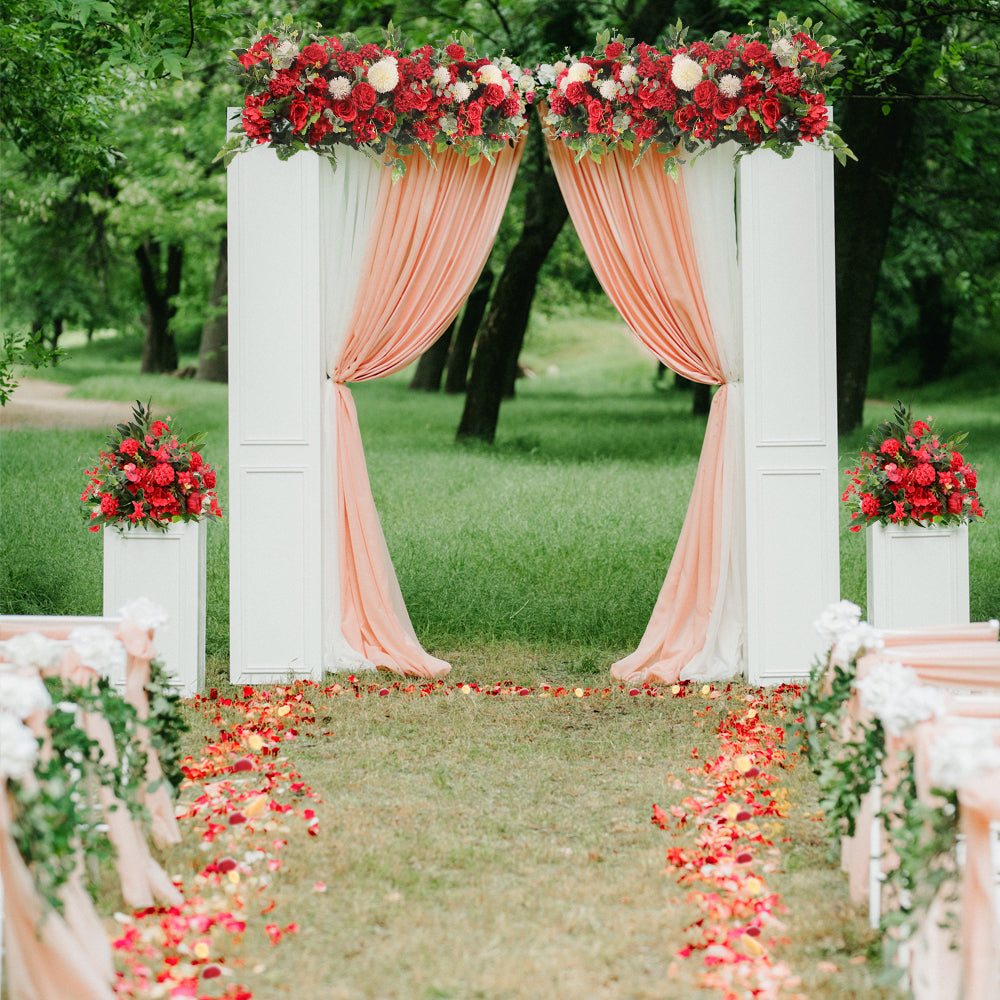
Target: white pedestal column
pixel 168 567
pixel 917 575
pixel 275 377
pixel 786 250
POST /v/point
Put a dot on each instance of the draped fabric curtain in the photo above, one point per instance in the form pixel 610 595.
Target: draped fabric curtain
pixel 665 253
pixel 407 254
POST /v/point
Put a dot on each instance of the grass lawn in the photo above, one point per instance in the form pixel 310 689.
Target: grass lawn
pixel 476 846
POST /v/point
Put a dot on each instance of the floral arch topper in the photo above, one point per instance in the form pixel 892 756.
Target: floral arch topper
pixel 306 90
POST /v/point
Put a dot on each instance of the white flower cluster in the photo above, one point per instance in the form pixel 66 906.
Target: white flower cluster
pixel 31 651
pixel 685 74
pixel 384 74
pixel 548 72
pixel 98 649
pixel 853 642
pixel 18 748
pixel 145 613
pixel 22 695
pixel 894 695
pixel 340 88
pixel 961 753
pixel 730 84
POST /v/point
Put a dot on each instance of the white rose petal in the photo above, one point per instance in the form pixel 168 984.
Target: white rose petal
pixel 525 82
pixel 580 72
pixel 547 74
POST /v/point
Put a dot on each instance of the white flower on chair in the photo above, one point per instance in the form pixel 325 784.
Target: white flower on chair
pixel 894 695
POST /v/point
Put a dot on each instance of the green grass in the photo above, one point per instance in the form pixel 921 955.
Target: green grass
pixel 555 539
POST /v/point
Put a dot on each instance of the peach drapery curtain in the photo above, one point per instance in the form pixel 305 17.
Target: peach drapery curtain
pixel 413 249
pixel 665 253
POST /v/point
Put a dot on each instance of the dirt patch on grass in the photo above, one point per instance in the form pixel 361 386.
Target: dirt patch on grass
pixel 40 405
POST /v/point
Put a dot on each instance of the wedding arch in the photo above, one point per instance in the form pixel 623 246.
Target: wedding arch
pixel 722 266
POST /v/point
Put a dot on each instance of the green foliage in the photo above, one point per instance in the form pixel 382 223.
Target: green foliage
pixel 166 725
pixel 20 349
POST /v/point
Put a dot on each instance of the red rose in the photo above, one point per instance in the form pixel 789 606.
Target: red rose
pixel 684 116
pixel 196 460
pixel 384 119
pixel 298 114
pixel 345 110
pixel 595 112
pixel 724 107
pixel 753 53
pixel 770 111
pixel 314 55
pixel 473 117
pixel 493 95
pixel 705 94
pixel 750 129
pixel 455 52
pixel 955 503
pixel 364 96
pixel 194 503
pixel 956 461
pixel 576 92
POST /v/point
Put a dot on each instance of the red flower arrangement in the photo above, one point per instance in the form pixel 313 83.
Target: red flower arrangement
pixel 307 91
pixel 148 477
pixel 735 88
pixel 909 475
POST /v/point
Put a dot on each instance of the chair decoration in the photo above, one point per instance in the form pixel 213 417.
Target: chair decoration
pixel 905 765
pixel 75 763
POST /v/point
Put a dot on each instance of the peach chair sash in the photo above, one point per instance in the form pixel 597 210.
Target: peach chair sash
pixel 966 664
pixel 140 652
pixel 45 957
pixel 415 249
pixel 649 240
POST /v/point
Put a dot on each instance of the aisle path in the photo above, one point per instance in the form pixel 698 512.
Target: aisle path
pixel 41 405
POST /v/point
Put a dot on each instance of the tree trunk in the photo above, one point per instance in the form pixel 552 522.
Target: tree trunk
pixel 545 212
pixel 544 215
pixel 465 338
pixel 430 367
pixel 935 324
pixel 213 353
pixel 159 351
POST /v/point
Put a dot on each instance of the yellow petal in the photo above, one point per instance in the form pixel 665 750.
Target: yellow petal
pixel 754 885
pixel 256 806
pixel 202 950
pixel 234 876
pixel 752 946
pixel 284 710
pixel 578 692
pixel 254 741
pixel 743 764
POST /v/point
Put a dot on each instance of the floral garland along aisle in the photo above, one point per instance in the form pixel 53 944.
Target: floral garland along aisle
pixel 759 89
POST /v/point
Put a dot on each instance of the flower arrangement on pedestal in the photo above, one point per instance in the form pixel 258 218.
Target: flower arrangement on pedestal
pixel 909 475
pixel 309 91
pixel 149 477
pixel 756 89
